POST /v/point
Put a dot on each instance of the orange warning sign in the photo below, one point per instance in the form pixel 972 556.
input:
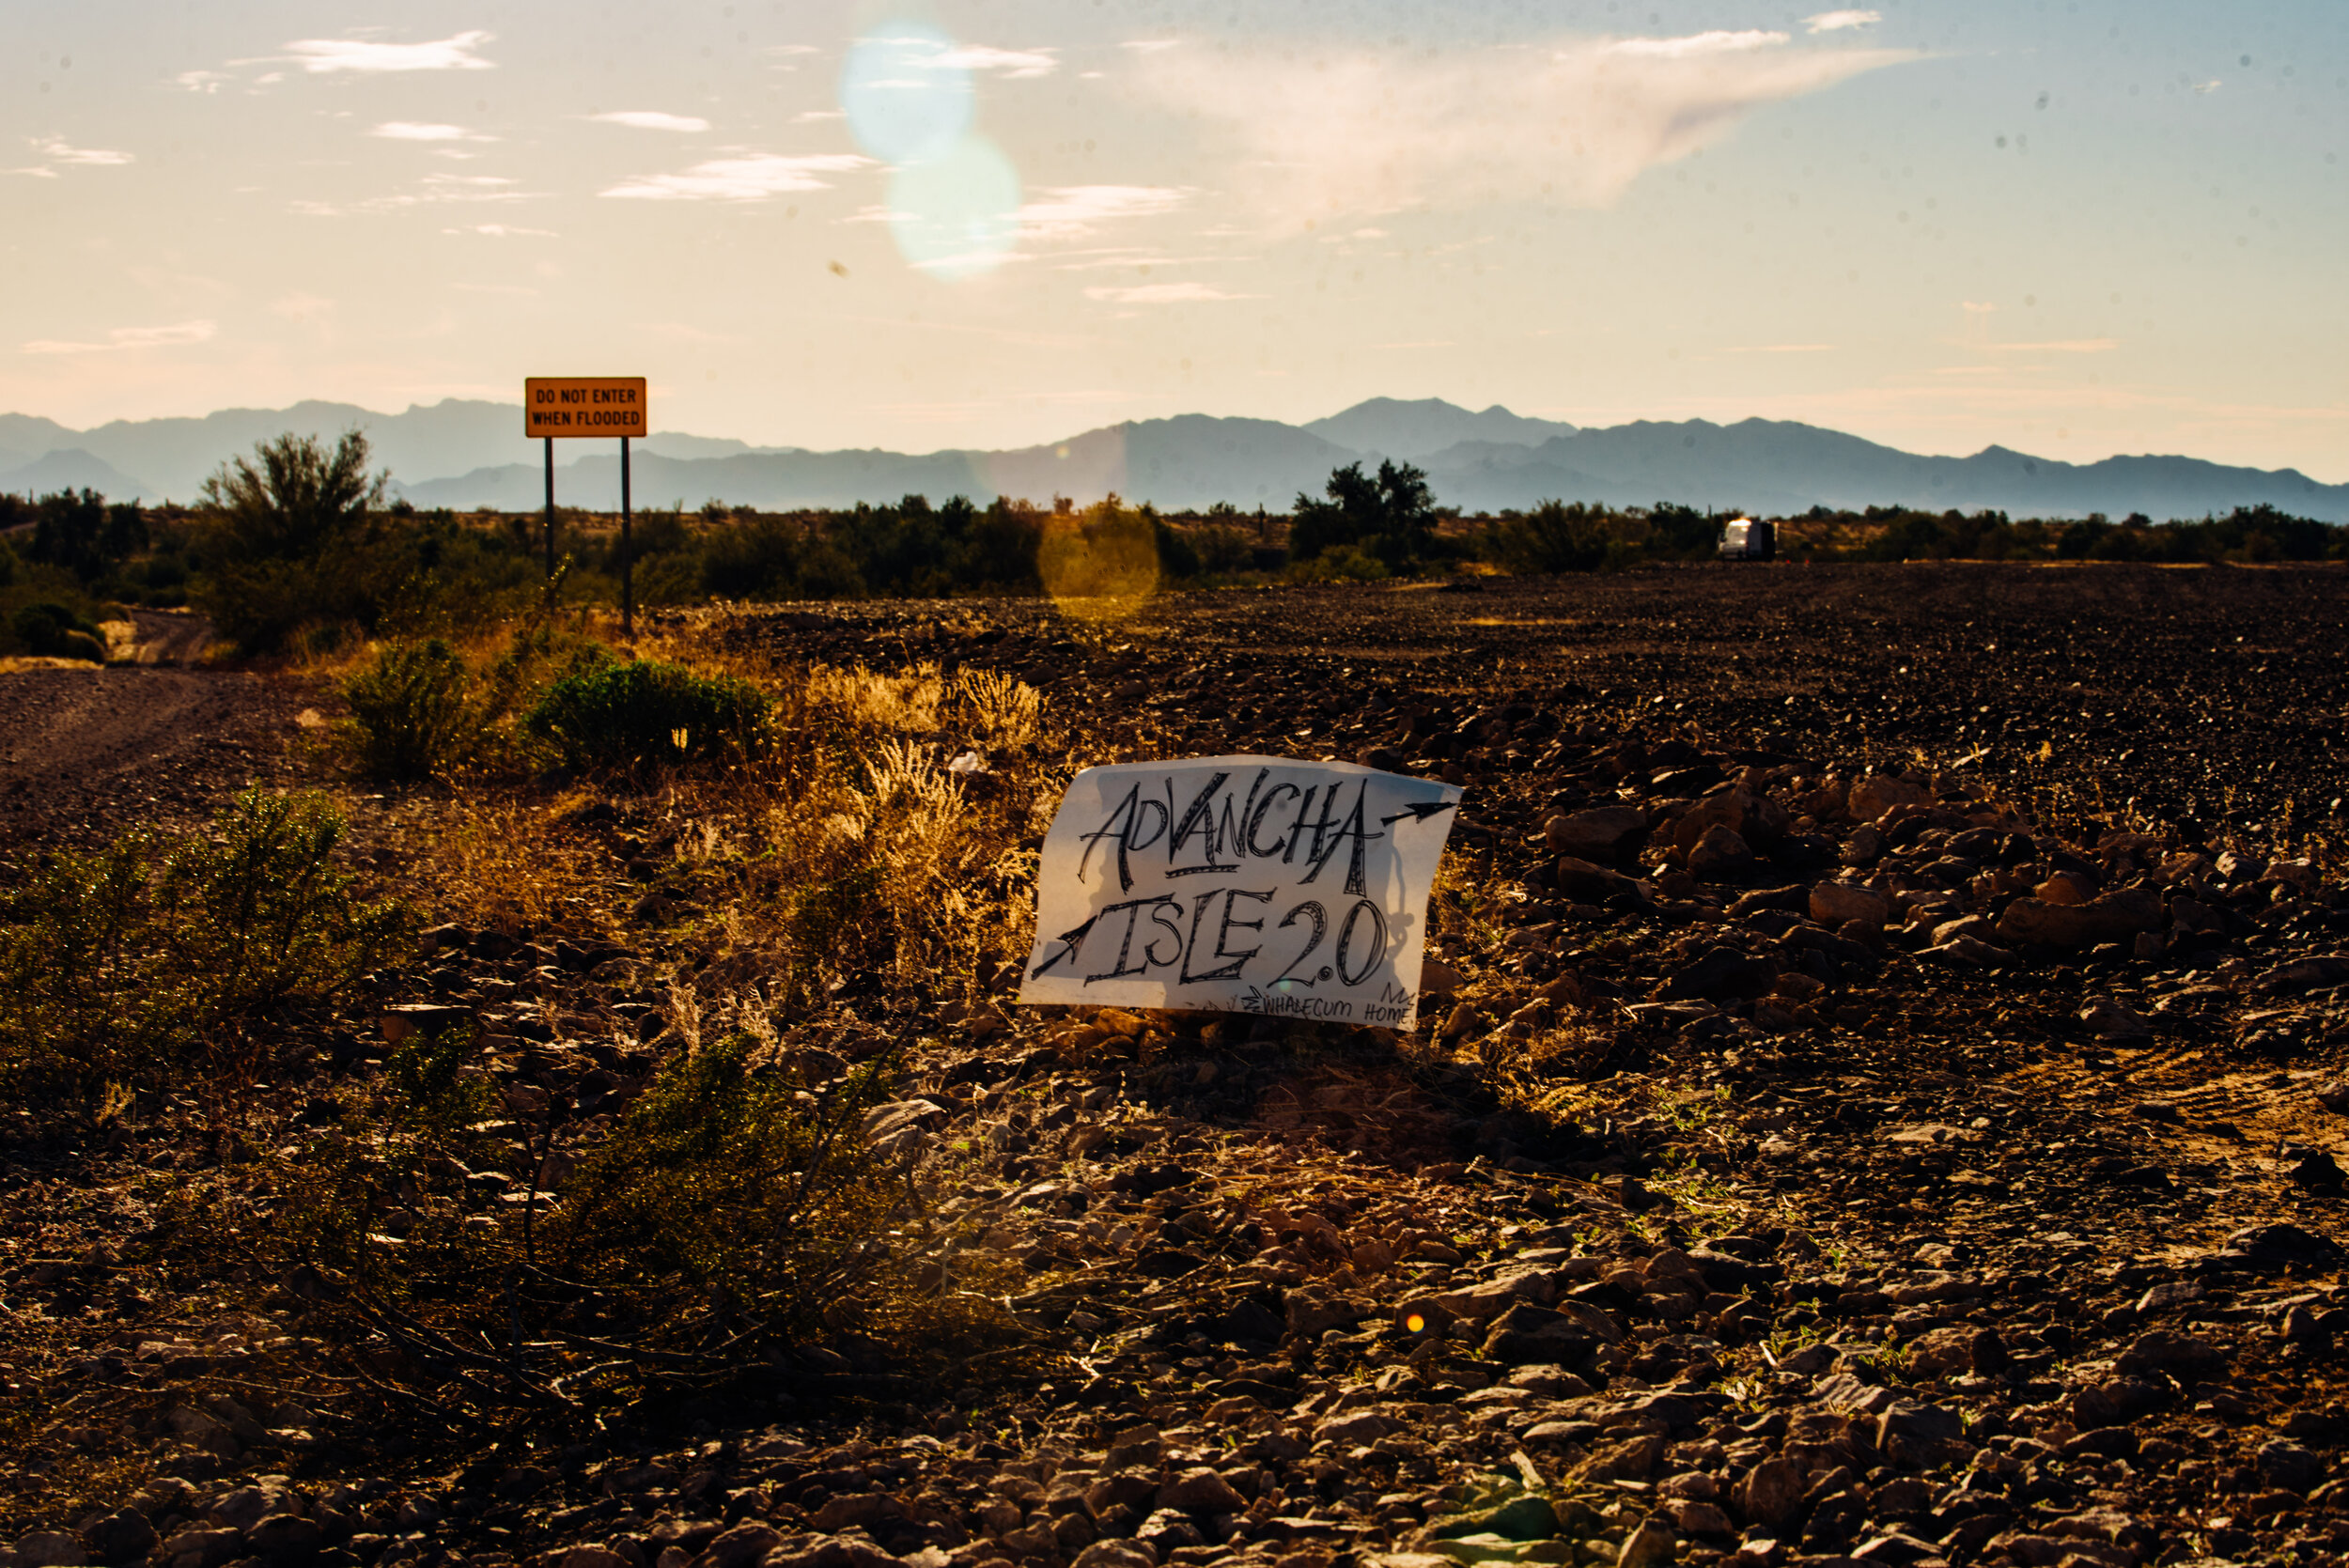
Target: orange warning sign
pixel 603 406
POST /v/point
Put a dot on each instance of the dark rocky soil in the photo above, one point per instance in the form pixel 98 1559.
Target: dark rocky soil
pixel 1881 1108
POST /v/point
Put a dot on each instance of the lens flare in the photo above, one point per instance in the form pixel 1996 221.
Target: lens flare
pixel 906 96
pixel 953 197
pixel 957 215
pixel 1415 1323
pixel 1100 564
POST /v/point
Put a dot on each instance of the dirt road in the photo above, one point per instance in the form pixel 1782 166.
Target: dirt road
pixel 171 637
pixel 85 753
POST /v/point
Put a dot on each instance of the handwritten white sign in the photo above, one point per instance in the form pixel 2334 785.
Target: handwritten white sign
pixel 1241 885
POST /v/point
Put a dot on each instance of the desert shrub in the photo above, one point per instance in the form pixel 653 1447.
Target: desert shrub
pixel 758 558
pixel 294 500
pixel 411 715
pixel 1554 536
pixel 78 532
pixel 609 713
pixel 1177 558
pixel 1389 514
pixel 1223 549
pixel 54 630
pixel 1346 563
pixel 124 966
pixel 730 1219
pixel 758 1215
pixel 432 577
pixel 999 548
pixel 40 604
pixel 1678 533
pixel 297 535
pixel 291 537
pixel 874 865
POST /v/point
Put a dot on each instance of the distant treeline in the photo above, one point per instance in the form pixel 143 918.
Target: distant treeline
pixel 2248 534
pixel 299 542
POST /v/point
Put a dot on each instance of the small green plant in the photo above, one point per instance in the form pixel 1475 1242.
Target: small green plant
pixel 411 713
pixel 604 712
pixel 123 967
pixel 427 1073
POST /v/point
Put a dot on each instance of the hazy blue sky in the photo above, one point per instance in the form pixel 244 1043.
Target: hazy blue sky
pixel 2072 227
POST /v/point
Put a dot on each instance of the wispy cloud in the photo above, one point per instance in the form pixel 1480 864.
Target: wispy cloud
pixel 434 189
pixel 1837 22
pixel 324 56
pixel 653 119
pixel 1014 63
pixel 1695 45
pixel 1071 211
pixel 923 50
pixel 503 231
pixel 413 131
pixel 753 177
pixel 128 337
pixel 56 149
pixel 1165 294
pixel 1128 258
pixel 1369 131
pixel 2062 346
pixel 200 81
pixel 57 153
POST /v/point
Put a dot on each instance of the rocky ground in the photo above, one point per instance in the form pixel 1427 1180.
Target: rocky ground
pixel 1878 1105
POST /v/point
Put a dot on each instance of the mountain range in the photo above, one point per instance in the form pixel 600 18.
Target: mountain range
pixel 469 455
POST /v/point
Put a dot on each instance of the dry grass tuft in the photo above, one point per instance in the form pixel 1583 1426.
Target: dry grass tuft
pixel 505 861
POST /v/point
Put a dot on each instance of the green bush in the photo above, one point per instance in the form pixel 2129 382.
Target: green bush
pixel 1345 563
pixel 1178 559
pixel 606 713
pixel 1223 550
pixel 719 1175
pixel 411 712
pixel 55 630
pixel 126 966
pixel 81 534
pixel 1389 514
pixel 292 536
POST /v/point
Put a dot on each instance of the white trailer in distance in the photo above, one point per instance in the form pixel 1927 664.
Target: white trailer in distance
pixel 1746 539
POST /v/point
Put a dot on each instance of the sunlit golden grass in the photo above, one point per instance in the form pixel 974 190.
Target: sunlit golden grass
pixel 872 840
pixel 505 861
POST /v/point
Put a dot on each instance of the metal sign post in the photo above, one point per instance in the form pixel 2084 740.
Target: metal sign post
pixel 627 556
pixel 550 506
pixel 570 407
